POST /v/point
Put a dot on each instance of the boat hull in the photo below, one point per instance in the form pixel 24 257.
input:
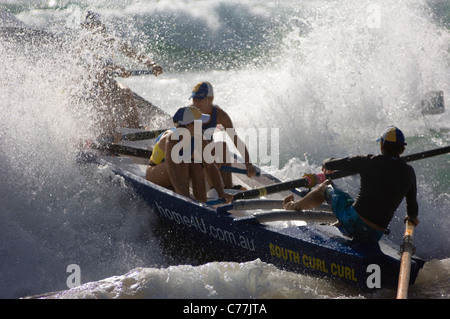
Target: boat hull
pixel 317 249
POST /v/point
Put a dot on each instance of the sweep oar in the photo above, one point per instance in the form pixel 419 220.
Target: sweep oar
pixel 305 181
pixel 141 72
pixel 135 73
pixel 122 149
pixel 278 187
pixel 142 135
pixel 237 170
pixel 407 249
pixel 425 154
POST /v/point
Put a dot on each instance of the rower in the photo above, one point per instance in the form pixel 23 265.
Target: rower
pixel 170 167
pixel 114 101
pixel 385 180
pixel 203 97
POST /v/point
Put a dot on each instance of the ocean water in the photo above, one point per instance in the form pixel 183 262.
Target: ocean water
pixel 330 75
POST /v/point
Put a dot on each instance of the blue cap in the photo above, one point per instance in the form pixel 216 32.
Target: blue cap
pixel 189 114
pixel 392 135
pixel 202 90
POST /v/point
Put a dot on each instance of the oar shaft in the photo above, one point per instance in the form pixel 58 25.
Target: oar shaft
pixel 405 265
pixel 142 135
pixel 236 170
pixel 270 189
pixel 122 149
pixel 430 153
pixel 140 72
pixel 284 186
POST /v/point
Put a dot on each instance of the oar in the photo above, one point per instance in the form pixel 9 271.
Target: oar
pixel 303 182
pixel 407 249
pixel 122 149
pixel 237 170
pixel 286 215
pixel 143 135
pixel 274 188
pixel 430 153
pixel 134 73
pixel 139 152
pixel 141 72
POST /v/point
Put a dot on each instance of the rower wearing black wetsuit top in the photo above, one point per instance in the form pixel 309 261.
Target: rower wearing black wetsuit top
pixel 385 180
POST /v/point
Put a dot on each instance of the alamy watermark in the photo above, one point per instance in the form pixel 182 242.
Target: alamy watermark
pixel 373 20
pixel 74 278
pixel 262 145
pixel 374 279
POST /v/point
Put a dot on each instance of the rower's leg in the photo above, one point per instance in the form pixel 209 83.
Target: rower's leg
pixel 179 177
pixel 198 181
pixel 312 200
pixel 158 175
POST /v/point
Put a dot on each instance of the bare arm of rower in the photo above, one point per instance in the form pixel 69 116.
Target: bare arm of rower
pixel 238 143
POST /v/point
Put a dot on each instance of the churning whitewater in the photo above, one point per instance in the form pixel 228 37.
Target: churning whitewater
pixel 330 75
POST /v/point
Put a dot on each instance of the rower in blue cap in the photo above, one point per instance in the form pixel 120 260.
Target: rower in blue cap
pixel 202 97
pixel 385 180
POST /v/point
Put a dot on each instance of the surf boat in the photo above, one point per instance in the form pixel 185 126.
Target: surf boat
pixel 304 242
